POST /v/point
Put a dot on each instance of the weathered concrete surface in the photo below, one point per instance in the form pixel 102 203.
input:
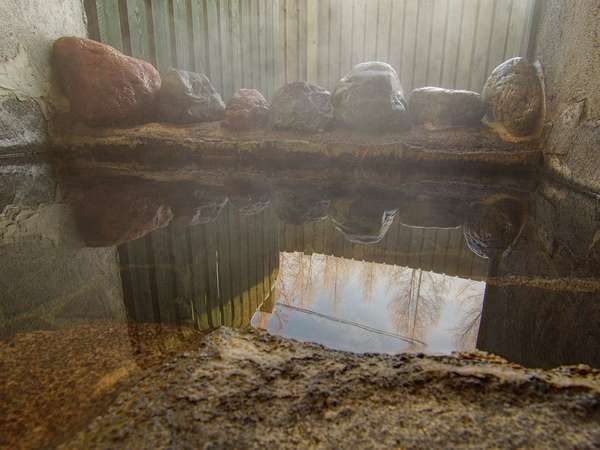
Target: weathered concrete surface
pixel 567 46
pixel 47 277
pixel 28 31
pixel 251 390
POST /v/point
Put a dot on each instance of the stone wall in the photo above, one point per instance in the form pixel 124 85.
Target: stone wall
pixel 27 96
pixel 567 38
pixel 47 278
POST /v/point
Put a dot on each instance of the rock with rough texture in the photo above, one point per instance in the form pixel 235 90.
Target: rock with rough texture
pixel 493 225
pixel 370 98
pixel 512 98
pixel 246 110
pixel 251 390
pixel 104 85
pixel 109 216
pixel 301 106
pixel 438 108
pixel 188 97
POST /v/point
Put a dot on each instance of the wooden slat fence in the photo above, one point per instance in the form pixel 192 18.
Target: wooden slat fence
pixel 220 273
pixel 266 43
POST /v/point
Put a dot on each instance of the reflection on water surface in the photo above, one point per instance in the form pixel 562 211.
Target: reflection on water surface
pixel 427 265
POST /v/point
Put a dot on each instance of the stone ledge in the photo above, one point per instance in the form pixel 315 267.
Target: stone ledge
pixel 176 146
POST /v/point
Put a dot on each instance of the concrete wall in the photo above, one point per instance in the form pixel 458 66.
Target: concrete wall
pixel 47 278
pixel 27 96
pixel 568 45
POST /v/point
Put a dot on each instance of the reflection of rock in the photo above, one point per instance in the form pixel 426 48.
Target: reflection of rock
pixel 195 205
pixel 187 97
pixel 427 212
pixel 494 225
pixel 512 96
pixel 370 98
pixel 437 108
pixel 301 106
pixel 112 215
pixel 298 205
pixel 247 109
pixel 105 86
pixel 362 220
pixel 248 196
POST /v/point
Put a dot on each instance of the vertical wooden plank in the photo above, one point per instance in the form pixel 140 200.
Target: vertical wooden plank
pixel 137 15
pixel 278 47
pixel 516 28
pixel 345 39
pixel 371 30
pixel 262 46
pixel 466 42
pixel 236 50
pixel 224 43
pixel 165 274
pixel 235 238
pixel 215 316
pixel 162 35
pixel 245 42
pixel 252 264
pixel 424 25
pixel 214 44
pixel 224 267
pixel 397 36
pixel 452 43
pixel 334 42
pixel 199 33
pixel 109 25
pixel 244 268
pixel 358 31
pixel 498 35
pixel 291 40
pixel 254 50
pixel 198 271
pixel 183 45
pixel 438 43
pixel 323 47
pixel 301 39
pixel 312 39
pixel 409 48
pixel 482 44
pixel 269 57
pixel 140 281
pixel 383 30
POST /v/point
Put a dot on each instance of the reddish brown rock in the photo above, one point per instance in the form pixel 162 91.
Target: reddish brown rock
pixel 104 85
pixel 247 109
pixel 108 216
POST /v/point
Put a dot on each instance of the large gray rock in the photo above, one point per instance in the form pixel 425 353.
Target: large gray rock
pixel 301 106
pixel 438 108
pixel 370 98
pixel 187 97
pixel 512 96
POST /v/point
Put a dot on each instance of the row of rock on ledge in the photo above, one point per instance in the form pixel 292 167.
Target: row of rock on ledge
pixel 106 87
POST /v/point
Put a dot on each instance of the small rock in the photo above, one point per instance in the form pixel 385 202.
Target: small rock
pixel 247 109
pixel 370 98
pixel 512 98
pixel 438 108
pixel 188 97
pixel 105 86
pixel 301 106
